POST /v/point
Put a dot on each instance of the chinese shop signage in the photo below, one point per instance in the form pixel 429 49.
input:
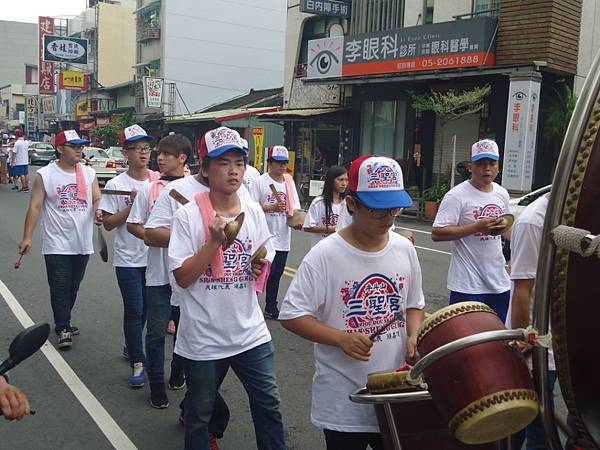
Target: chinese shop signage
pixel 521 130
pixel 445 45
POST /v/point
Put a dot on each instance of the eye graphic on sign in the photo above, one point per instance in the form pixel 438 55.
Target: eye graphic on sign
pixel 323 61
pixel 519 95
pixel 325 57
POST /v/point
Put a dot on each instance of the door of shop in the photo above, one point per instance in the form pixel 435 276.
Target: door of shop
pixel 317 149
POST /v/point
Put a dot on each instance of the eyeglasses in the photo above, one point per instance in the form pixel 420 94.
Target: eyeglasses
pixel 380 213
pixel 145 149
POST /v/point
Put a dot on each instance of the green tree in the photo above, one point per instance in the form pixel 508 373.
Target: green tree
pixel 558 116
pixel 111 133
pixel 449 106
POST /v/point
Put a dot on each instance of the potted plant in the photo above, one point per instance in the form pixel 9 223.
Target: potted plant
pixel 432 197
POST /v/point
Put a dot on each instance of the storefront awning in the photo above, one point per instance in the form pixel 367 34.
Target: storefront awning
pixel 221 116
pixel 299 114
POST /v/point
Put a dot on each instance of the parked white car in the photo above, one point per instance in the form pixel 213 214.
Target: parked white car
pixel 101 162
pixel 518 204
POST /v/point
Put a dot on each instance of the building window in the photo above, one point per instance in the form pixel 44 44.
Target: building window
pixel 383 128
pixel 428 11
pixel 314 28
pixel 486 8
pixel 31 75
pixel 376 15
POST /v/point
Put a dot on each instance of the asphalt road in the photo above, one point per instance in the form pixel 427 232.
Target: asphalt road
pixel 95 359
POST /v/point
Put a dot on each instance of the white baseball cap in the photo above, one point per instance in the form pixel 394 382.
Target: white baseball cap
pixel 378 182
pixel 134 133
pixel 485 148
pixel 222 140
pixel 279 153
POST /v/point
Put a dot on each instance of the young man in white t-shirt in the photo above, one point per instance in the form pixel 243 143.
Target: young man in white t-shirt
pixel 173 153
pixel 468 216
pixel 130 253
pixel 20 161
pixel 525 245
pixel 340 309
pixel 66 195
pixel 277 209
pixel 221 324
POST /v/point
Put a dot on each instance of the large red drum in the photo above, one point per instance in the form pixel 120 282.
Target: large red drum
pixel 483 392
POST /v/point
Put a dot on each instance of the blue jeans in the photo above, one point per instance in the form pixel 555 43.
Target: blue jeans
pixel 65 273
pixel 132 283
pixel 272 289
pixel 498 302
pixel 158 313
pixel 534 432
pixel 255 368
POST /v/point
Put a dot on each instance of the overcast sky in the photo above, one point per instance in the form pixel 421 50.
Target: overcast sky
pixel 29 10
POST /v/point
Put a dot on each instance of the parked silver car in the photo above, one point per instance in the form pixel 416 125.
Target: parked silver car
pixel 41 153
pixel 101 162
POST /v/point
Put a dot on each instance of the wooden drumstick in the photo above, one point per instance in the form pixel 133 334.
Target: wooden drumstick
pixel 275 193
pixel 383 328
pixel 177 196
pixel 114 192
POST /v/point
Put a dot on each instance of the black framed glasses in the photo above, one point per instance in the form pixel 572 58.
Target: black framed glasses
pixel 75 146
pixel 380 213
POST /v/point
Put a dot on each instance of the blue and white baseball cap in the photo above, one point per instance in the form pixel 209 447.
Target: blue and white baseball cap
pixel 278 153
pixel 221 140
pixel 69 137
pixel 378 182
pixel 485 148
pixel 134 133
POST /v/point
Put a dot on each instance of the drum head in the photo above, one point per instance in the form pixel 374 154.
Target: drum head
pixel 494 417
pixel 447 313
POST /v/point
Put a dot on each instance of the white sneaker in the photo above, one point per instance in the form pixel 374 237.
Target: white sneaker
pixel 138 376
pixel 65 339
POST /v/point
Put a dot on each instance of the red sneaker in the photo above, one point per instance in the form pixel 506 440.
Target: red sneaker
pixel 213 442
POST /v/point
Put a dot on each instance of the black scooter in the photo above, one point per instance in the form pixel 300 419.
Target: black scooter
pixel 25 344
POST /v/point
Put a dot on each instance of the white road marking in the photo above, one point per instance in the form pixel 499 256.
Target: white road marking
pixel 433 250
pixel 115 435
pixel 413 229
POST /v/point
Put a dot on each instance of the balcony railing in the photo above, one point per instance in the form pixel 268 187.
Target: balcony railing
pixel 148 33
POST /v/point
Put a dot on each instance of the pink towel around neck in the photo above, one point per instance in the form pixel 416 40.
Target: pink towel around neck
pixel 154 176
pixel 208 214
pixel 81 183
pixel 289 194
pixel 156 187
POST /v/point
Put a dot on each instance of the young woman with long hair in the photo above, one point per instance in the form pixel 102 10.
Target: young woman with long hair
pixel 325 209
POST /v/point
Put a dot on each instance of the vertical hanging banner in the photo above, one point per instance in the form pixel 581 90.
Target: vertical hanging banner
pixel 259 140
pixel 521 132
pixel 31 113
pixel 153 91
pixel 45 69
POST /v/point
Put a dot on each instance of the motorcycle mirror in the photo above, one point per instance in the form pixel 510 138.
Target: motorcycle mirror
pixel 25 344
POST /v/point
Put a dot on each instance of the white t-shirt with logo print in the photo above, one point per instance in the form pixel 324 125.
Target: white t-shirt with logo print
pixel 219 317
pixel 316 217
pixel 477 263
pixel 67 223
pixel 371 288
pixel 250 176
pixel 129 251
pixel 156 273
pixel 277 220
